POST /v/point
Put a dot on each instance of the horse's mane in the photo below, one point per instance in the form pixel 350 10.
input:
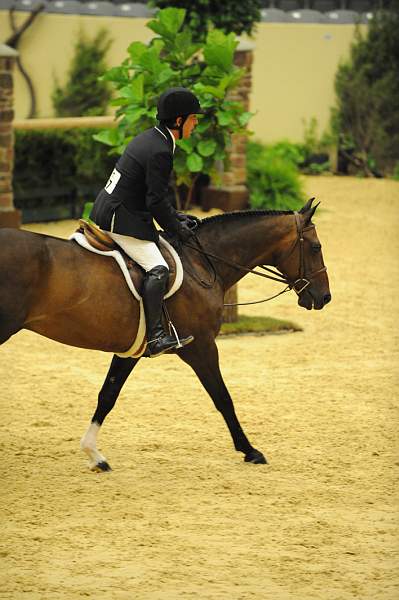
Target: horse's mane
pixel 234 216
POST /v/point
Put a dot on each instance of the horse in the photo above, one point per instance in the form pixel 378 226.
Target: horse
pixel 55 288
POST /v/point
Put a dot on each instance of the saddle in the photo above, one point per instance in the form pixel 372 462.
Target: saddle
pixel 101 241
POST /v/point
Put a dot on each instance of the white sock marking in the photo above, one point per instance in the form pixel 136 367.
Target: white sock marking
pixel 88 444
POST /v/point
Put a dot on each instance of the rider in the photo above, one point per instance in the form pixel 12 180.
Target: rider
pixel 136 192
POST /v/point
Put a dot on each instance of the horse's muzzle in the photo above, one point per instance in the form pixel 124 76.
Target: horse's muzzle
pixel 307 300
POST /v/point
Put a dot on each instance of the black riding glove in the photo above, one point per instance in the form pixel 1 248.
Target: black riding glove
pixel 184 232
pixel 191 220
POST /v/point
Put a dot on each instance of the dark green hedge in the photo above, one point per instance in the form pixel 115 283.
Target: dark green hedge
pixel 57 167
pixel 67 168
pixel 366 118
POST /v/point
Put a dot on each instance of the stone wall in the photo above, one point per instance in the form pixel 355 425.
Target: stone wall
pixel 9 217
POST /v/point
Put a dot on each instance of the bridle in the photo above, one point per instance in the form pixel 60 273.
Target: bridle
pixel 303 280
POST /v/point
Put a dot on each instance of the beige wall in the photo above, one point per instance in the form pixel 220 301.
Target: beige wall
pixel 293 76
pixel 47 48
pixel 293 72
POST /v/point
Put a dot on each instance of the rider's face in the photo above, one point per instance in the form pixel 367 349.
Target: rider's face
pixel 189 125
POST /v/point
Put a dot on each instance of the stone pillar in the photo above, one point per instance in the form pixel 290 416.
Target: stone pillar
pixel 233 193
pixel 9 216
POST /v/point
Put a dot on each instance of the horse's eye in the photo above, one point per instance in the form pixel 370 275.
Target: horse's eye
pixel 316 248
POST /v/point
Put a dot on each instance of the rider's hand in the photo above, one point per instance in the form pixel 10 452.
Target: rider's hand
pixel 191 220
pixel 184 232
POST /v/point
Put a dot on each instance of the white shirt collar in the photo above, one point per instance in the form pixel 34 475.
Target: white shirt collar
pixel 171 135
pixel 173 139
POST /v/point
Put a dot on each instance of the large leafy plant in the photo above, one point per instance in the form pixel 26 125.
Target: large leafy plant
pixel 229 16
pixel 173 59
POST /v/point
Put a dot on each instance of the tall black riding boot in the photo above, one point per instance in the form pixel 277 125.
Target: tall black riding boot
pixel 154 288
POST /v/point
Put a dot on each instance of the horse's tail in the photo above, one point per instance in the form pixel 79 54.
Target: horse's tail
pixel 21 254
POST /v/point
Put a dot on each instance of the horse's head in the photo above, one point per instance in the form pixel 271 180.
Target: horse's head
pixel 302 264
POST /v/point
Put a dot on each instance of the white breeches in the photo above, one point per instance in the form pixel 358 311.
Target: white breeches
pixel 143 252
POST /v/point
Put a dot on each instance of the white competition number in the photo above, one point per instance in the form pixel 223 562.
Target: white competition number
pixel 112 181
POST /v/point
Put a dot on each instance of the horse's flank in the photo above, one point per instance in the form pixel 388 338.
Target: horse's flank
pixel 64 292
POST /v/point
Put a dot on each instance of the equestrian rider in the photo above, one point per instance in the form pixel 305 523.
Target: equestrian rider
pixel 137 192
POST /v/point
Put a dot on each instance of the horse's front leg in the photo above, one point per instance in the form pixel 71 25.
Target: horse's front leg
pixel 204 360
pixel 119 371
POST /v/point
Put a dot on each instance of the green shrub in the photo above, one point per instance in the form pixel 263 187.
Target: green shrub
pixel 230 16
pixel 84 93
pixel 55 166
pixel 290 152
pixel 310 157
pixel 315 149
pixel 273 180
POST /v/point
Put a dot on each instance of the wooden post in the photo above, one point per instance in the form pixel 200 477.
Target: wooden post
pixel 9 217
pixel 230 313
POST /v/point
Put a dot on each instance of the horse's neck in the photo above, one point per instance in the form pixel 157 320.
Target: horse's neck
pixel 249 241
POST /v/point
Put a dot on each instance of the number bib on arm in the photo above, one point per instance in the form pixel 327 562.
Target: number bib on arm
pixel 112 181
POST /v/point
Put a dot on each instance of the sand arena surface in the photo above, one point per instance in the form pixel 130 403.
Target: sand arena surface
pixel 181 516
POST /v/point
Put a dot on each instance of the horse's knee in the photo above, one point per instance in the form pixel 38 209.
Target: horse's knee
pixel 108 397
pixel 8 327
pixel 106 401
pixel 5 335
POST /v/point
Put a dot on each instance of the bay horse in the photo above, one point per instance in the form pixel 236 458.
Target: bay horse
pixel 57 289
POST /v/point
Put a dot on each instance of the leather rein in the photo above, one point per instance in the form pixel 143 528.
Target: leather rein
pixel 303 280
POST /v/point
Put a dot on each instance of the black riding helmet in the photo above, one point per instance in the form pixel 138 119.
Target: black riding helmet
pixel 177 102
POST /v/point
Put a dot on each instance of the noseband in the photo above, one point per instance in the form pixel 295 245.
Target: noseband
pixel 303 280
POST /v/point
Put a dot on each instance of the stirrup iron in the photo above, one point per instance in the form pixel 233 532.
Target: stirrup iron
pixel 173 330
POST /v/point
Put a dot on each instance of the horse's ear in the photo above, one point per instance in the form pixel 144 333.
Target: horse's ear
pixel 308 210
pixel 307 206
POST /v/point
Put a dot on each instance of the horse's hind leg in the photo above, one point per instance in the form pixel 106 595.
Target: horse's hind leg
pixel 119 371
pixel 204 360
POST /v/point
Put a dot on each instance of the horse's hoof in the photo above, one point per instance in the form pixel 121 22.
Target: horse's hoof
pixel 101 467
pixel 255 457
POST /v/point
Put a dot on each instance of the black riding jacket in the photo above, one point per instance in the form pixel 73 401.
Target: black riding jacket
pixel 137 190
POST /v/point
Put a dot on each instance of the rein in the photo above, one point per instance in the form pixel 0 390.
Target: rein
pixel 276 275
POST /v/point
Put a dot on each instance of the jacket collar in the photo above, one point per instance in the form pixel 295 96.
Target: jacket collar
pixel 168 135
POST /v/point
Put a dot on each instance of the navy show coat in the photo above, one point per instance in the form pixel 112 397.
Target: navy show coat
pixel 137 190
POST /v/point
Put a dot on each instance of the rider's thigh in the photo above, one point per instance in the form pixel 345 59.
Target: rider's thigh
pixel 143 252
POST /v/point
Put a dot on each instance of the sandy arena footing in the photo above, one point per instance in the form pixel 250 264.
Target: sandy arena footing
pixel 181 516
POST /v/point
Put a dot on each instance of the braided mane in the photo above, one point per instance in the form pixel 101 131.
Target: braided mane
pixel 234 216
